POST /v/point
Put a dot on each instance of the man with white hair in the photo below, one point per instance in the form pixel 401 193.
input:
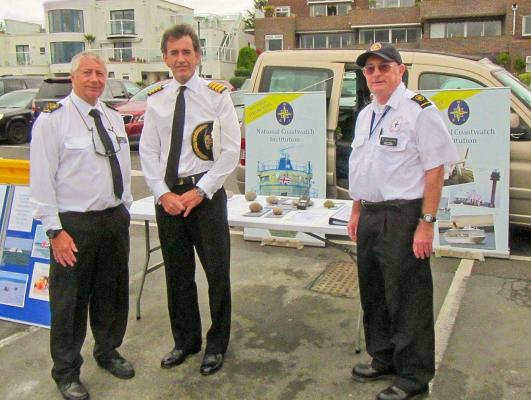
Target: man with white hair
pixel 81 190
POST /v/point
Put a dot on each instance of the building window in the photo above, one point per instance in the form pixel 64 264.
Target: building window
pixel 526 25
pixel 318 10
pixel 326 40
pixel 123 51
pixel 42 51
pixel 391 3
pixel 62 52
pixel 283 11
pixel 274 42
pixel 65 21
pixel 122 21
pixel 22 54
pixel 390 35
pixel 465 29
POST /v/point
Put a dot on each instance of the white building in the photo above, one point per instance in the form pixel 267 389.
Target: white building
pixel 222 37
pixel 126 33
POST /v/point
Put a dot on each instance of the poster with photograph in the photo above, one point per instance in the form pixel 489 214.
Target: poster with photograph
pixel 20 218
pixel 285 150
pixel 41 244
pixel 39 282
pixel 17 251
pixel 474 209
pixel 13 288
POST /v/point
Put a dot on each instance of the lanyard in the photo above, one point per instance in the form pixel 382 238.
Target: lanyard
pixel 387 108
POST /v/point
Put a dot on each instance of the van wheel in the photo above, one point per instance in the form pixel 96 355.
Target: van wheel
pixel 17 133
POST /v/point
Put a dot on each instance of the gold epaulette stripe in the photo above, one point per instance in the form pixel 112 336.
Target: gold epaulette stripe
pixel 217 87
pixel 51 107
pixel 155 90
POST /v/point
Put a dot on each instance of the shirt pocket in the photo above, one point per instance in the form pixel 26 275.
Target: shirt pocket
pixel 77 143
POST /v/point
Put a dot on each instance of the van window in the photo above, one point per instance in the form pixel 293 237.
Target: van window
pixel 435 81
pixel 517 87
pixel 294 79
pixel 117 90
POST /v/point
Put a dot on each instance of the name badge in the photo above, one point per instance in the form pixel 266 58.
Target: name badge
pixel 388 141
pixel 122 139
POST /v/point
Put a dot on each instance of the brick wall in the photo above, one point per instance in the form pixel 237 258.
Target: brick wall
pixel 384 16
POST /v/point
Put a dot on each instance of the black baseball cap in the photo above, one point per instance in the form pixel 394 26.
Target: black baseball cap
pixel 385 50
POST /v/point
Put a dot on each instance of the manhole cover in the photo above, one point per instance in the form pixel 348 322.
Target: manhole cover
pixel 338 279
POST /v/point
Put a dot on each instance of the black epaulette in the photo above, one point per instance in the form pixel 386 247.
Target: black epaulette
pixel 51 107
pixel 111 107
pixel 155 90
pixel 217 87
pixel 422 101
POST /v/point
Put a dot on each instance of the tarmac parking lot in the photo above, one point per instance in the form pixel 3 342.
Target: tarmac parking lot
pixel 291 342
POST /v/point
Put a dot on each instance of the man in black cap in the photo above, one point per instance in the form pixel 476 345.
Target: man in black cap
pixel 396 169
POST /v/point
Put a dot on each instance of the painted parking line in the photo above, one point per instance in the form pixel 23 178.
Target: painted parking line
pixel 19 335
pixel 448 313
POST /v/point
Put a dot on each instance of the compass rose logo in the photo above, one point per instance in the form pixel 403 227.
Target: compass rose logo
pixel 284 113
pixel 458 112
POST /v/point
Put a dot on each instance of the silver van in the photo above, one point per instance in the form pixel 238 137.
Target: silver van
pixel 335 72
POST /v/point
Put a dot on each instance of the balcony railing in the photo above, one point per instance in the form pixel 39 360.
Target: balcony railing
pixel 121 28
pixel 23 58
pixel 129 55
pixel 209 53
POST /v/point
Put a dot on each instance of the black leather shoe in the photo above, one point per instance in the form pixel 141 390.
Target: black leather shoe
pixel 73 391
pixel 177 357
pixel 118 366
pixel 212 363
pixel 395 393
pixel 366 373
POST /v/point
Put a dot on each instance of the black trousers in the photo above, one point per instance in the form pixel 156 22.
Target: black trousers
pixel 97 285
pixel 205 228
pixel 396 292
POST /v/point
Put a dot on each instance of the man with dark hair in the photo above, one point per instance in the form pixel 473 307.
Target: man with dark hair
pixel 396 169
pixel 189 145
pixel 80 186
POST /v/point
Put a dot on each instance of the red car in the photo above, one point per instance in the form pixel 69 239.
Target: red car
pixel 133 110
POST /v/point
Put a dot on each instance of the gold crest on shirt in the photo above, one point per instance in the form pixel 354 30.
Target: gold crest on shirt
pixel 202 142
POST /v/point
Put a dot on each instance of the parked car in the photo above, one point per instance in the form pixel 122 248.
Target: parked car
pixel 54 89
pixel 15 115
pixel 19 82
pixel 133 110
pixel 335 72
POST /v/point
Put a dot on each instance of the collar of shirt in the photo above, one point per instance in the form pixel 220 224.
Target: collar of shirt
pixel 83 106
pixel 192 84
pixel 394 100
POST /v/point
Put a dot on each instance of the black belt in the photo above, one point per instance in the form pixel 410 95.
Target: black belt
pixel 187 180
pixel 389 205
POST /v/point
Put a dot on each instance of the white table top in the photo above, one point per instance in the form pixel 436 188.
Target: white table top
pixel 314 219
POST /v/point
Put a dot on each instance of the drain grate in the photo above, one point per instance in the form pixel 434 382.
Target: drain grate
pixel 338 279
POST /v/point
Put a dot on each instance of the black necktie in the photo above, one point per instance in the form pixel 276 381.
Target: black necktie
pixel 177 129
pixel 117 181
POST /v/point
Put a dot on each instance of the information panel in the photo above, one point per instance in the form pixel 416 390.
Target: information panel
pixel 474 208
pixel 24 262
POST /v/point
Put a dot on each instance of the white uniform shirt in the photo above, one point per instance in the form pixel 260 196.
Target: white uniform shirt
pixel 66 173
pixel 202 105
pixel 408 141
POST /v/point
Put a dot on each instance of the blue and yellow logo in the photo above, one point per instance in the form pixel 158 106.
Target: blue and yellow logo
pixel 458 112
pixel 284 113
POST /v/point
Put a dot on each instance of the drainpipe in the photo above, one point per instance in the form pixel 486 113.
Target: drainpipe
pixel 514 7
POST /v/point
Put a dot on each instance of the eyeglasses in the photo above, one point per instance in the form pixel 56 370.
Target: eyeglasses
pixel 99 148
pixel 383 68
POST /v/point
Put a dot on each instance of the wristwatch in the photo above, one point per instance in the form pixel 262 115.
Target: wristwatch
pixel 429 218
pixel 200 192
pixel 52 233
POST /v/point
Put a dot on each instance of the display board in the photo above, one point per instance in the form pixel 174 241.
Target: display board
pixel 474 209
pixel 24 261
pixel 285 137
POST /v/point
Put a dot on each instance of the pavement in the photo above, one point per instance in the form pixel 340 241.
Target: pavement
pixel 289 342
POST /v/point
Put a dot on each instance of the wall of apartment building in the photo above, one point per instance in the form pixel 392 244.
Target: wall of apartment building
pixel 273 26
pixel 297 7
pixel 39 64
pixel 384 16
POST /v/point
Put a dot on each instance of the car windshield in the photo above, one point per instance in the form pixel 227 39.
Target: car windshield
pixel 16 99
pixel 518 88
pixel 54 90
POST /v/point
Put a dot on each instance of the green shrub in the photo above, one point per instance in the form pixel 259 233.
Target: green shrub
pixel 503 59
pixel 519 65
pixel 245 72
pixel 246 58
pixel 237 81
pixel 526 78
